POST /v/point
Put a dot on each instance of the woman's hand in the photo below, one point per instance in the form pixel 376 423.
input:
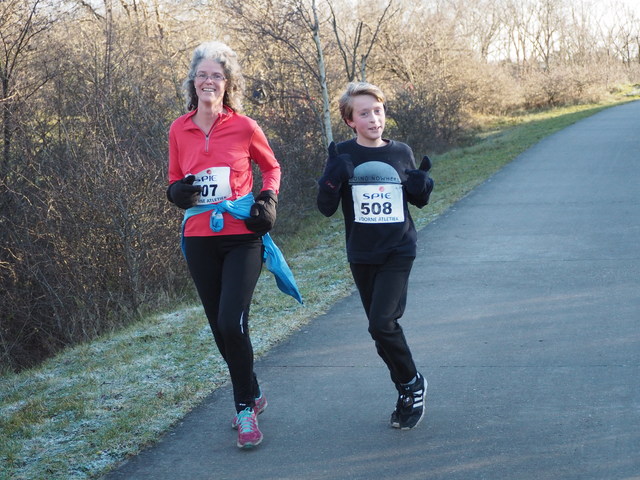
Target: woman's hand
pixel 263 213
pixel 184 193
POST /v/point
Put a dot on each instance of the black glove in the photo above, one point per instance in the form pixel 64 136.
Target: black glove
pixel 339 169
pixel 418 181
pixel 263 212
pixel 183 192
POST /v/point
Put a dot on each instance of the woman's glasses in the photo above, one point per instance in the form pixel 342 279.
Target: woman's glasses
pixel 216 77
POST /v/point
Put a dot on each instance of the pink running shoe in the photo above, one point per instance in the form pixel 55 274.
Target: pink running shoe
pixel 249 435
pixel 261 404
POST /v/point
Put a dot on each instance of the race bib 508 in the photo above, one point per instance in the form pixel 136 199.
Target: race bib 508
pixel 378 203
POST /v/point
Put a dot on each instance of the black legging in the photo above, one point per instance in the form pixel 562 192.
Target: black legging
pixel 225 270
pixel 383 291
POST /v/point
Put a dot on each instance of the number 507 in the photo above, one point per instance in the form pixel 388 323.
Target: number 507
pixel 208 190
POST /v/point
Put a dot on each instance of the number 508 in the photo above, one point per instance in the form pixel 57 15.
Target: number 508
pixel 375 208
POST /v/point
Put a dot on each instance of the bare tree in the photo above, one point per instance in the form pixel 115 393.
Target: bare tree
pixel 19 25
pixel 310 18
pixel 546 38
pixel 295 26
pixel 519 27
pixel 481 23
pixel 624 35
pixel 580 43
pixel 355 48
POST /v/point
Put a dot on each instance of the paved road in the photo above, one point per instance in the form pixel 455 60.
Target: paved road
pixel 523 314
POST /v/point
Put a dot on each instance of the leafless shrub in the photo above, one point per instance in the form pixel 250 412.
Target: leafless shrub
pixel 429 115
pixel 561 86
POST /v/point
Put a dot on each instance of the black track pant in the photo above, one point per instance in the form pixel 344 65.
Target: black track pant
pixel 383 291
pixel 225 270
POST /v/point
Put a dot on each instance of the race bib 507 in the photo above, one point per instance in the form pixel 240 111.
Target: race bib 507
pixel 215 185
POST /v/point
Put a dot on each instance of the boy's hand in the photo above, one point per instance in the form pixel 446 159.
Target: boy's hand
pixel 418 181
pixel 425 164
pixel 183 192
pixel 262 217
pixel 339 169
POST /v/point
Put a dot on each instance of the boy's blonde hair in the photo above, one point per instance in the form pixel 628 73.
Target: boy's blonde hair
pixel 353 90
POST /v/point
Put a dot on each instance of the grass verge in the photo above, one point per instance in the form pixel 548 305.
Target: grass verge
pixel 79 414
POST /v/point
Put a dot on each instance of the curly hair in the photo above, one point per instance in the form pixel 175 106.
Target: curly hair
pixel 227 58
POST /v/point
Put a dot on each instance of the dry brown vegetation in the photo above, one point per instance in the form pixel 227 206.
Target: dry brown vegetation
pixel 89 88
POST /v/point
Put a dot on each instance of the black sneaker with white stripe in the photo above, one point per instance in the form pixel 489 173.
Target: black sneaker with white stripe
pixel 410 407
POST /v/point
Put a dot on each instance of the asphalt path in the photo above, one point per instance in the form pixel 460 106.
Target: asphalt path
pixel 523 315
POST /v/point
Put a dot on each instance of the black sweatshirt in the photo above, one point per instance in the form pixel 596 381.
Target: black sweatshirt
pixel 383 226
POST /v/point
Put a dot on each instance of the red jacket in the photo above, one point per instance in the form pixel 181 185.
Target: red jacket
pixel 233 142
